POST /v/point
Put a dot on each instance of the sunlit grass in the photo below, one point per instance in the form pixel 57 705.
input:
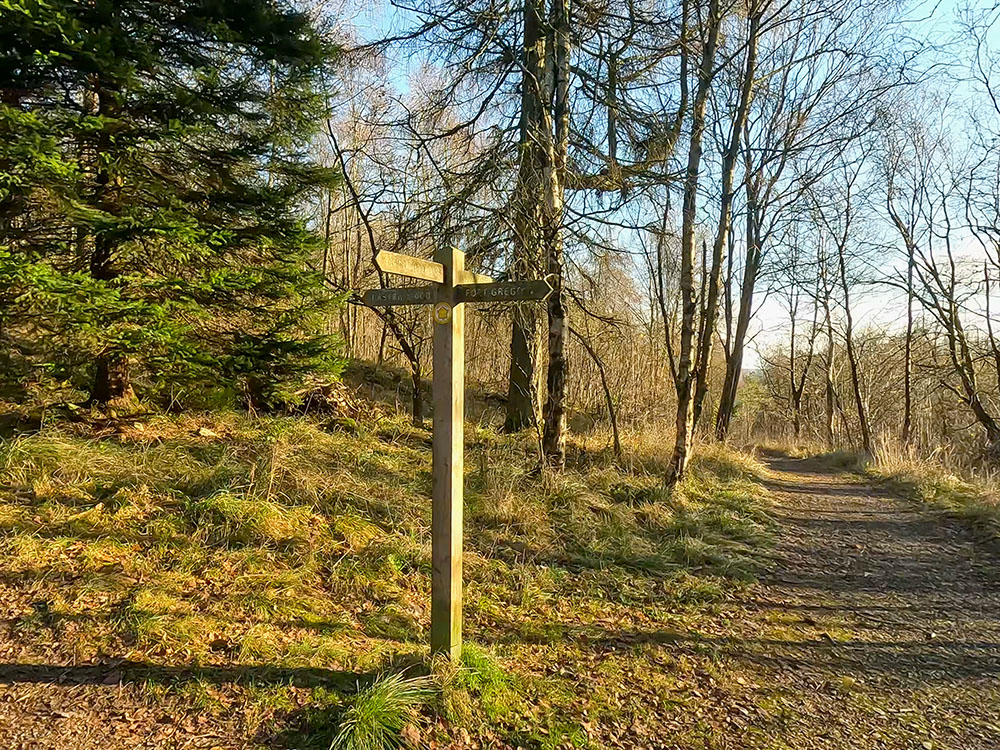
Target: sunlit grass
pixel 224 541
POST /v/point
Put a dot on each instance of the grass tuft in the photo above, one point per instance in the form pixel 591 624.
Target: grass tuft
pixel 376 717
pixel 493 687
pixel 241 519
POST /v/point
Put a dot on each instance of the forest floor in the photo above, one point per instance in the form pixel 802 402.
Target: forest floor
pixel 229 583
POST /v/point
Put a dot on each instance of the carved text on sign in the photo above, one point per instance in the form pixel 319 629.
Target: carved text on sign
pixel 504 291
pixel 412 295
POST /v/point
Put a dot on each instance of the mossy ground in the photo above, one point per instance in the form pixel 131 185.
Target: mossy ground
pixel 257 571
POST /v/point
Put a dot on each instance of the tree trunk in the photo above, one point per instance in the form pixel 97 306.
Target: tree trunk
pixel 823 291
pixel 521 399
pixel 734 364
pixel 111 380
pixel 111 374
pixel 417 399
pixel 990 332
pixel 906 233
pixel 707 336
pixel 798 384
pixel 792 394
pixel 908 350
pixel 554 434
pixel 608 400
pixel 685 375
pixel 994 446
pixel 831 393
pixel 527 216
pixel 964 363
pixel 852 357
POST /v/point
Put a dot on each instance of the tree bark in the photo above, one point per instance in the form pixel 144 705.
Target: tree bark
pixel 990 333
pixel 798 383
pixel 734 363
pixel 852 357
pixel 521 398
pixel 940 297
pixel 964 363
pixel 792 393
pixel 417 399
pixel 906 233
pixel 908 351
pixel 830 390
pixel 608 400
pixel 707 336
pixel 112 380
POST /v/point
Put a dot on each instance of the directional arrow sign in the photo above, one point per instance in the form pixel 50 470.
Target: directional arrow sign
pixel 407 295
pixel 452 285
pixel 504 291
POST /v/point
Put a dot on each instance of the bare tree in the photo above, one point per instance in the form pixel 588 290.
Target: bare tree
pixel 685 374
pixel 796 276
pixel 908 159
pixel 837 212
pixel 813 101
pixel 746 78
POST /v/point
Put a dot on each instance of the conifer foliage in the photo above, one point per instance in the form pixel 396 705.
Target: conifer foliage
pixel 154 174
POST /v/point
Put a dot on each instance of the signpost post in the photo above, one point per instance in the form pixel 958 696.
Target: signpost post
pixel 452 287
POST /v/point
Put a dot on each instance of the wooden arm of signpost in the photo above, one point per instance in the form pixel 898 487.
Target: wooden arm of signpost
pixel 428 270
pixel 408 265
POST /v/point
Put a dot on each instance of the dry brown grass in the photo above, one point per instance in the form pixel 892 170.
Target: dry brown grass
pixel 975 498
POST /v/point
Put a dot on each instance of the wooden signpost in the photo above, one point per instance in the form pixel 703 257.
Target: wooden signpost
pixel 452 286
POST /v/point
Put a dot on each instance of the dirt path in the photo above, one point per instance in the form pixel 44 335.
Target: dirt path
pixel 879 626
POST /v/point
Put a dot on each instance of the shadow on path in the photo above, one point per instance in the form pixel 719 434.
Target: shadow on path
pixel 901 591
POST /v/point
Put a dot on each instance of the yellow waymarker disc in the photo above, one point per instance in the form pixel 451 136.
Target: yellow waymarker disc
pixel 442 313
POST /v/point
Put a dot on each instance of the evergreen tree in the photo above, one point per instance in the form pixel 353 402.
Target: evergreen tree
pixel 153 174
